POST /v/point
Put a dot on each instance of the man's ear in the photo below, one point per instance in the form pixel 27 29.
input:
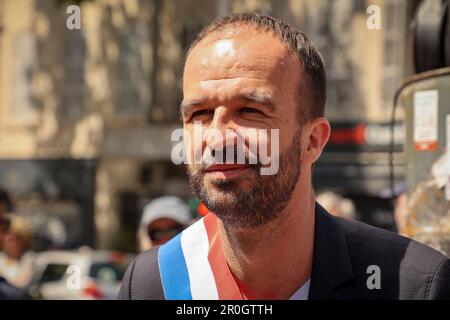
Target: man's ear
pixel 317 135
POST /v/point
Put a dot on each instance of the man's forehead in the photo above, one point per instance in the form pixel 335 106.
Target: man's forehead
pixel 249 48
pixel 223 48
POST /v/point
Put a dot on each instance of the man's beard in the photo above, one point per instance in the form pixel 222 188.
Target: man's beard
pixel 265 200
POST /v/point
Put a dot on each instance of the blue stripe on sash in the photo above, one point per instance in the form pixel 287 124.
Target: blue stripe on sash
pixel 173 270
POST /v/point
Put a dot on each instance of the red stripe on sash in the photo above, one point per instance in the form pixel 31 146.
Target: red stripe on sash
pixel 225 283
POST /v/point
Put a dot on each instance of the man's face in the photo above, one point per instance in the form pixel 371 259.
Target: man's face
pixel 245 80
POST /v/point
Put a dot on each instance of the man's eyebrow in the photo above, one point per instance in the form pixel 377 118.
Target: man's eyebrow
pixel 186 104
pixel 256 97
pixel 189 103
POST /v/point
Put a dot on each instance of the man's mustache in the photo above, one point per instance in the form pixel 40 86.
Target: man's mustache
pixel 201 168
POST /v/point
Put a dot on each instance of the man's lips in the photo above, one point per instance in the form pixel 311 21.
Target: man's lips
pixel 226 171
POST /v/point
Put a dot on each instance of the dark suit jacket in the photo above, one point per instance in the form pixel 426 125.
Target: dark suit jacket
pixel 343 253
pixel 344 250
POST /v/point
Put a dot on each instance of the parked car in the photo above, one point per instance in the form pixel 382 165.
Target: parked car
pixel 79 275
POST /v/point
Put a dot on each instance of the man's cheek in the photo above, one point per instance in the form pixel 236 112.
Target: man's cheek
pixel 194 170
pixel 270 153
pixel 192 147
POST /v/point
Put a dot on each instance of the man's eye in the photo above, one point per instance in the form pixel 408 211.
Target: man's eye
pixel 249 110
pixel 201 112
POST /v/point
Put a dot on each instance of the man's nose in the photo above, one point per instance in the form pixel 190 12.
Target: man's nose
pixel 221 133
pixel 220 119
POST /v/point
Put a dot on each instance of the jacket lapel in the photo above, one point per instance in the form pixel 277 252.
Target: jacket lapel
pixel 331 265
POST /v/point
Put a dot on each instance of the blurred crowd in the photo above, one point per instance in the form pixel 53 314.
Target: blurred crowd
pixel 25 274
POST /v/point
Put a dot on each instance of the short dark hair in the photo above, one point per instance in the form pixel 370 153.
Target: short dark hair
pixel 296 41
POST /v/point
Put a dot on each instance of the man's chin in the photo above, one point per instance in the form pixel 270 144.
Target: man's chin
pixel 227 187
pixel 236 183
pixel 220 201
pixel 221 189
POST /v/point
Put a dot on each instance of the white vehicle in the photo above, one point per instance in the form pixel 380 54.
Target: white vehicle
pixel 79 275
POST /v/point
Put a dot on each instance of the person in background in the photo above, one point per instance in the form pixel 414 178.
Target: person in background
pixel 16 262
pixel 162 219
pixel 4 226
pixel 5 203
pixel 336 205
pixel 397 194
pixel 5 207
pixel 7 291
pixel 401 213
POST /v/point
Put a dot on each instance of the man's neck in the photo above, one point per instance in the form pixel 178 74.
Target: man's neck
pixel 274 260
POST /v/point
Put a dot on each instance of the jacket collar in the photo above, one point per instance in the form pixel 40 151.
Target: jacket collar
pixel 332 266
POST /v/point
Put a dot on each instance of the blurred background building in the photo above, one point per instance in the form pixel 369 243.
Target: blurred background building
pixel 86 115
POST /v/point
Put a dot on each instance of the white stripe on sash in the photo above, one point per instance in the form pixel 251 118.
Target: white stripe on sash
pixel 195 245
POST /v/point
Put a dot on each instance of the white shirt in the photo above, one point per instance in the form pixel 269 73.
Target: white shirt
pixel 302 293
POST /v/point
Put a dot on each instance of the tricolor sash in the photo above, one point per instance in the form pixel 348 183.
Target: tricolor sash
pixel 192 265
